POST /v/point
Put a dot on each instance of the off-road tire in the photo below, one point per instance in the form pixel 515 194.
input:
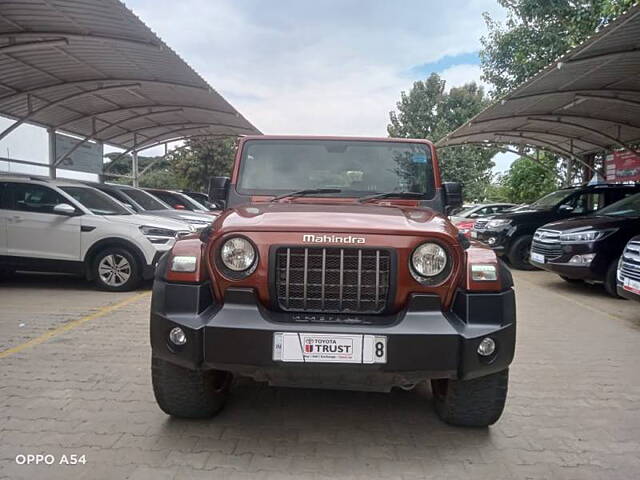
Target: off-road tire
pixel 518 254
pixel 135 276
pixel 610 279
pixel 185 393
pixel 571 280
pixel 478 402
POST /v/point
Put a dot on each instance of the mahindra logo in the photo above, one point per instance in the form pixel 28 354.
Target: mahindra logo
pixel 347 239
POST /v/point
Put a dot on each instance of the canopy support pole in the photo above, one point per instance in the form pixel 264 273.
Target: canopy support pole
pixel 52 151
pixel 134 160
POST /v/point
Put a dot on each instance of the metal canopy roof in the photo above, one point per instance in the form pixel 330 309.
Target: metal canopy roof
pixel 587 101
pixel 93 69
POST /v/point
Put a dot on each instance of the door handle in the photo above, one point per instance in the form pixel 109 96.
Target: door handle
pixel 16 218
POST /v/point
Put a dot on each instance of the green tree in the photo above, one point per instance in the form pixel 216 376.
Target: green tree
pixel 536 33
pixel 429 111
pixel 202 158
pixel 527 180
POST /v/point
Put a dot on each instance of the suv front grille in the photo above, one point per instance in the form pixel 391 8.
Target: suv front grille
pixel 630 265
pixel 332 280
pixel 480 224
pixel 547 243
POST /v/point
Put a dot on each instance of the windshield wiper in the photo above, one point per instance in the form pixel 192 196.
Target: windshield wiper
pixel 366 198
pixel 302 193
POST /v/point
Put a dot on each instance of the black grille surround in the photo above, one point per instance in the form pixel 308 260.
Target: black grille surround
pixel 332 279
pixel 547 242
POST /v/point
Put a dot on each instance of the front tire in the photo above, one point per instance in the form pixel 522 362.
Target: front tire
pixel 610 279
pixel 478 402
pixel 116 270
pixel 519 253
pixel 185 393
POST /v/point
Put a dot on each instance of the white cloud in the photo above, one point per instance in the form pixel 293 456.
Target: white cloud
pixel 316 67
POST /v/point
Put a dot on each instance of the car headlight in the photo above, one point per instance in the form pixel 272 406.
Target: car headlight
pixel 157 232
pixel 498 222
pixel 429 259
pixel 238 254
pixel 585 236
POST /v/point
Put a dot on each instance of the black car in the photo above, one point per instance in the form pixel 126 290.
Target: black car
pixel 628 278
pixel 589 247
pixel 510 234
pixel 202 198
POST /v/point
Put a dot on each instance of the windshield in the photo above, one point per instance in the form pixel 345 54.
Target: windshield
pixel 627 207
pixel 551 200
pixel 96 201
pixel 145 200
pixel 466 212
pixel 273 167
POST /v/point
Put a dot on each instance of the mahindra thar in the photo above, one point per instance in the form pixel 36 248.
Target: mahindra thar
pixel 332 266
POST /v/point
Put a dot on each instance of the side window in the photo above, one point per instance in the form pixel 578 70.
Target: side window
pixel 35 198
pixel 615 195
pixel 4 196
pixel 586 202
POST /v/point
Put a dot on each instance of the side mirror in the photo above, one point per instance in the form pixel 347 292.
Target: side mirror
pixel 566 208
pixel 452 195
pixel 218 190
pixel 64 209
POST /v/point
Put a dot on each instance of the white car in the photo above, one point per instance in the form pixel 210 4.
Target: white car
pixel 64 226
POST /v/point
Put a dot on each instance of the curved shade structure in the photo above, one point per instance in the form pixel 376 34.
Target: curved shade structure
pixel 587 101
pixel 93 69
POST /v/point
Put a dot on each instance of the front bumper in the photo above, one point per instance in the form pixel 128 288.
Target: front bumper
pixel 497 240
pixel 594 271
pixel 422 341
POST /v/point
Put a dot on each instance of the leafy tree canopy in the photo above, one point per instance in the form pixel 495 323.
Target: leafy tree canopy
pixel 429 111
pixel 186 167
pixel 536 33
pixel 527 180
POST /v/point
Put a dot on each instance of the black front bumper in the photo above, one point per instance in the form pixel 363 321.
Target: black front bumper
pixel 497 240
pixel 422 341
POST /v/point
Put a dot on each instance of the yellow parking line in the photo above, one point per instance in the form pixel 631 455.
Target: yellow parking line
pixel 72 324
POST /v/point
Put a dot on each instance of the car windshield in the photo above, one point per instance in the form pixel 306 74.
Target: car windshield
pixel 468 211
pixel 145 200
pixel 627 207
pixel 551 200
pixel 275 167
pixel 96 201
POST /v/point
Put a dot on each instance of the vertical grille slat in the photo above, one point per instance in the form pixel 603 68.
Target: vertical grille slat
pixel 332 279
pixel 377 276
pixel 359 277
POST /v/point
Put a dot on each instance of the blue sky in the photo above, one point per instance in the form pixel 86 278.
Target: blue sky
pixel 316 67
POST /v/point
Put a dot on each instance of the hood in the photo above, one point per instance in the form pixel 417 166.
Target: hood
pixel 190 217
pixel 529 213
pixel 590 222
pixel 148 220
pixel 346 218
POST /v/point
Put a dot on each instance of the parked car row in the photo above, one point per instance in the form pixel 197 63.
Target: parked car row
pixel 579 233
pixel 111 234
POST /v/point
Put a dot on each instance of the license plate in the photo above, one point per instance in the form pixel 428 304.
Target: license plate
pixel 537 257
pixel 329 348
pixel 632 286
pixel 474 234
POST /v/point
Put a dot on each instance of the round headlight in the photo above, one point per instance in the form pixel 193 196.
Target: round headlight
pixel 237 254
pixel 429 259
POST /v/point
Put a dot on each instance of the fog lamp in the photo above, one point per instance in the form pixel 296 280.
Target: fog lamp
pixel 177 336
pixel 582 259
pixel 486 347
pixel 491 240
